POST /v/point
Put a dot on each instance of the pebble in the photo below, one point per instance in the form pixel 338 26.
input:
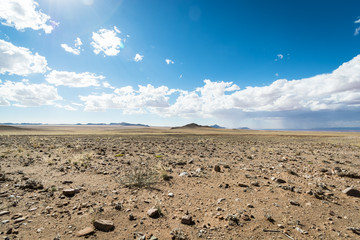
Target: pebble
pixel 171 194
pixel 187 220
pixel 153 213
pixel 278 180
pixel 217 168
pixel 350 191
pixel 104 225
pixel 295 203
pixel 4 213
pixel 184 174
pixel 21 219
pixel 86 231
pixel 69 192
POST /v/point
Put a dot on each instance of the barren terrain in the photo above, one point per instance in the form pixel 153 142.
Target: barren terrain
pixel 197 184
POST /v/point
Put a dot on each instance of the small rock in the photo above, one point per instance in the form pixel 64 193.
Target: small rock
pixel 104 225
pixel 350 191
pixel 69 192
pixel 19 220
pixel 153 238
pixel 118 206
pixel 278 180
pixel 67 182
pixel 171 194
pixel 131 217
pixel 4 213
pixel 187 220
pixel 301 231
pixel 184 174
pixel 153 213
pixel 255 184
pixel 217 168
pixel 243 185
pixel 86 231
pixel 295 203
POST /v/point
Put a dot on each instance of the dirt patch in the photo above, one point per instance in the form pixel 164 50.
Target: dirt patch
pixel 197 186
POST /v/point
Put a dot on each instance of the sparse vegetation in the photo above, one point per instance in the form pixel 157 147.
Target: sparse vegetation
pixel 139 176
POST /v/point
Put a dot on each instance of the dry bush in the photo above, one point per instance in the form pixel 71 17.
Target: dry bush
pixel 139 176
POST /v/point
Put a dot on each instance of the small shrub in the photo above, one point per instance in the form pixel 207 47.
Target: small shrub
pixel 139 176
pixel 119 155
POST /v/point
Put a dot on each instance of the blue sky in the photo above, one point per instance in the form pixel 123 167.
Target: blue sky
pixel 260 64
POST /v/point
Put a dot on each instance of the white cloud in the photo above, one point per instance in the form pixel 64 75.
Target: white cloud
pixel 129 100
pixel 72 79
pixel 74 50
pixel 24 94
pixel 138 57
pixel 339 90
pixel 66 107
pixel 279 57
pixel 23 14
pixel 357 21
pixel 357 31
pixel 107 41
pixel 69 49
pixel 107 85
pixel 20 60
pixel 168 61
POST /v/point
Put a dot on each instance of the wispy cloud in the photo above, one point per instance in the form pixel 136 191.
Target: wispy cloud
pixel 74 50
pixel 72 79
pixel 138 57
pixel 107 41
pixel 279 57
pixel 23 14
pixel 169 61
pixel 357 30
pixel 20 60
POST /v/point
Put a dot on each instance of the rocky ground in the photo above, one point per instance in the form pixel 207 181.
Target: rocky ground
pixel 179 187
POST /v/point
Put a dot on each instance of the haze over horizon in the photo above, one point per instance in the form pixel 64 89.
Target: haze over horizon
pixel 258 64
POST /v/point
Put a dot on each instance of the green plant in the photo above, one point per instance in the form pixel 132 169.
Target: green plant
pixel 53 188
pixel 119 155
pixel 159 156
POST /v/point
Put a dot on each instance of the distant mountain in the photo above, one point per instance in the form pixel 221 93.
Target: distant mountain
pixel 21 124
pixel 191 126
pixel 217 126
pixel 130 124
pixel 243 128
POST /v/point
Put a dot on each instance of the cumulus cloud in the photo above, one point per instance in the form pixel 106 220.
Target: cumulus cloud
pixel 72 79
pixel 20 60
pixel 74 50
pixel 169 61
pixel 129 100
pixel 24 94
pixel 338 90
pixel 138 57
pixel 23 14
pixel 107 41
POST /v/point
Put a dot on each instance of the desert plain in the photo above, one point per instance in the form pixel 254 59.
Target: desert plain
pixel 102 182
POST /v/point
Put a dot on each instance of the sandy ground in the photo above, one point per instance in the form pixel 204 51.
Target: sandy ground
pixel 56 181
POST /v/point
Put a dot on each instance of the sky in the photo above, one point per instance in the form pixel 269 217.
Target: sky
pixel 237 63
